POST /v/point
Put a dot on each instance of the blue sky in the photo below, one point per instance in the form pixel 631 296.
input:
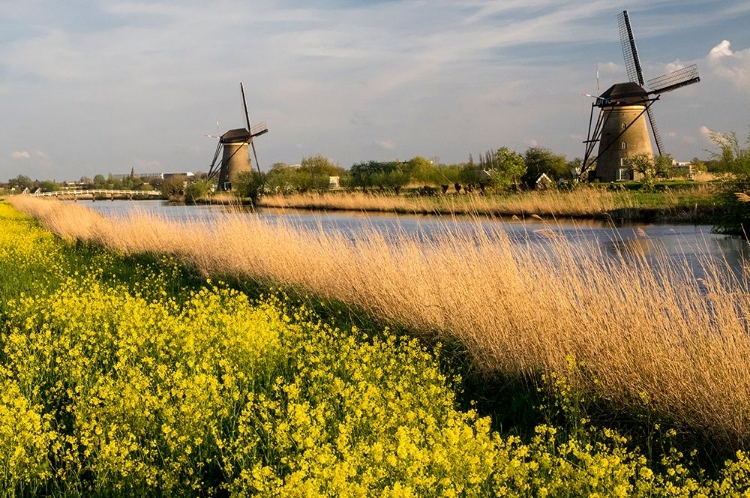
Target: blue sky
pixel 91 87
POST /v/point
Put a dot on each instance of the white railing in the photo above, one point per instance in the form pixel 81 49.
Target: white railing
pixel 95 192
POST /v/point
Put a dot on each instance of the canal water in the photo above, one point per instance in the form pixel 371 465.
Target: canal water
pixel 693 244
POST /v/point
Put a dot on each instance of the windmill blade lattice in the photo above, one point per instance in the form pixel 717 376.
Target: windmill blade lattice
pixel 674 80
pixel 629 50
pixel 213 170
pixel 655 130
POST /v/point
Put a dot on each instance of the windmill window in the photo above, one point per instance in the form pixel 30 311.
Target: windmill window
pixel 624 145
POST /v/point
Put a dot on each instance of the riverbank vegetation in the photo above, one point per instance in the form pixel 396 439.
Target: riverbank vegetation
pixel 123 372
pixel 499 182
pixel 654 338
pixel 735 158
pixel 691 204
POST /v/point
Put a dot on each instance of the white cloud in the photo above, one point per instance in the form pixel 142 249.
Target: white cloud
pixel 145 80
pixel 720 51
pixel 674 66
pixel 20 154
pixel 733 66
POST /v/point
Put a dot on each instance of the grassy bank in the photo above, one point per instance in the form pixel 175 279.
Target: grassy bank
pixel 132 384
pixel 653 338
pixel 132 377
pixel 687 204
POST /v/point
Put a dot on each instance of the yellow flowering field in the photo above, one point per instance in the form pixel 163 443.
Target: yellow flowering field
pixel 135 384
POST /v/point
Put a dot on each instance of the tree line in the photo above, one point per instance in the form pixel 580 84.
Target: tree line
pixel 499 169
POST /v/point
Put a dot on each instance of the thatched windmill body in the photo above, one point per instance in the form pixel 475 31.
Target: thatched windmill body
pixel 620 130
pixel 234 148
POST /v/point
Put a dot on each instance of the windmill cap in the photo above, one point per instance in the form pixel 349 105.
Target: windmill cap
pixel 629 93
pixel 236 135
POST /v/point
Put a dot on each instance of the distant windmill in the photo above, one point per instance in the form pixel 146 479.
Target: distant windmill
pixel 233 146
pixel 620 129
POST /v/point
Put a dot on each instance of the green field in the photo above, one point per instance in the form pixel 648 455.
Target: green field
pixel 135 376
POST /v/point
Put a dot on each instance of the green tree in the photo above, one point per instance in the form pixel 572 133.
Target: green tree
pixel 174 185
pixel 20 183
pixel 507 167
pixel 315 172
pixel 100 181
pixel 698 165
pixel 320 165
pixel 156 183
pixel 540 161
pixel 116 183
pixel 449 173
pixel 422 170
pixel 378 174
pixel 470 174
pixel 48 186
pixel 282 178
pixel 249 185
pixel 197 190
pixel 734 158
pixel 397 179
pixel 651 168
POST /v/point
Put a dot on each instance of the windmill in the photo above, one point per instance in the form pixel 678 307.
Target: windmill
pixel 620 129
pixel 235 154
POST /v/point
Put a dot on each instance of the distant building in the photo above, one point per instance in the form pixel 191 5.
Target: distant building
pixel 189 174
pixel 683 168
pixel 151 176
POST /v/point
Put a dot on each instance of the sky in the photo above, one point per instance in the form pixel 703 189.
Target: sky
pixel 96 87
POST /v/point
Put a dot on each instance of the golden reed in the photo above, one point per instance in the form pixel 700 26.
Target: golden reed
pixel 646 332
pixel 582 202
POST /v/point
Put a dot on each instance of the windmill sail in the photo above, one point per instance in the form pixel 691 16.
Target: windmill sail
pixel 259 129
pixel 633 67
pixel 655 130
pixel 666 83
pixel 629 50
pixel 674 80
pixel 254 131
pixel 244 103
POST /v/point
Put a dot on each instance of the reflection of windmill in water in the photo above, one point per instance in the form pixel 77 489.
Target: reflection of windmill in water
pixel 235 154
pixel 620 129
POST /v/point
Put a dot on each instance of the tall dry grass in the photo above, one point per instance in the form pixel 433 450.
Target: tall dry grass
pixel 647 332
pixel 583 202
